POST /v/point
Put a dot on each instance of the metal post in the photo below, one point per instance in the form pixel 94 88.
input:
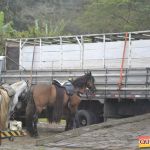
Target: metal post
pixel 5 56
pixel 104 45
pixel 106 79
pixel 20 54
pixel 40 53
pixel 82 52
pixel 147 83
pixel 130 50
pixel 126 75
pixel 61 52
pixel 36 78
pixel 52 71
pixel 33 56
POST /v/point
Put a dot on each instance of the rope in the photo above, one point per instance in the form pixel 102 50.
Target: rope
pixel 123 59
pixel 30 83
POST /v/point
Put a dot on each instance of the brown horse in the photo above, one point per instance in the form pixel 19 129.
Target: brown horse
pixel 59 101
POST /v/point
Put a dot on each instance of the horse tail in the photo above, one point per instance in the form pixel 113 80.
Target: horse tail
pixel 55 113
pixel 4 109
pixel 30 111
pixel 49 112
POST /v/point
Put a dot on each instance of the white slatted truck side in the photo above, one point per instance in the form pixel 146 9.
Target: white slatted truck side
pixel 120 63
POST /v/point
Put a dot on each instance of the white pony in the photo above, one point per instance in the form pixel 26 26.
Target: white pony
pixel 19 88
pixel 9 96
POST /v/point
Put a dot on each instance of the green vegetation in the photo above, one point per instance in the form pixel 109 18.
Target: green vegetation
pixel 6 30
pixel 37 30
pixel 34 18
pixel 115 16
pixel 45 121
pixel 59 17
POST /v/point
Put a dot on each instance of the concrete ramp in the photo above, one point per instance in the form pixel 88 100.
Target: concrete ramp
pixel 116 134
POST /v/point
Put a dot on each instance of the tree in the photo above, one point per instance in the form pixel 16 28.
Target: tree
pixel 6 30
pixel 115 16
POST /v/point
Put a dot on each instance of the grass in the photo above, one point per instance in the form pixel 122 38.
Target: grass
pixel 44 120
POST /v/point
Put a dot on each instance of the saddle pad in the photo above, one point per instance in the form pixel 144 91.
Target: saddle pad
pixel 57 83
pixel 69 88
pixel 67 85
pixel 9 89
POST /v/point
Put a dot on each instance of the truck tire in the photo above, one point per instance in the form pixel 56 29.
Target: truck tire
pixel 85 118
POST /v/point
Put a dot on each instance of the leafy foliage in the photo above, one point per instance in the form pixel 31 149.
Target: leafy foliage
pixel 34 18
pixel 39 29
pixel 31 18
pixel 115 16
pixel 6 30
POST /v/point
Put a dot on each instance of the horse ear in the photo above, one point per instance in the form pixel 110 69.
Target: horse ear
pixel 27 81
pixel 89 73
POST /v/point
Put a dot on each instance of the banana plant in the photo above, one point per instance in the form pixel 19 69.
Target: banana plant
pixel 6 30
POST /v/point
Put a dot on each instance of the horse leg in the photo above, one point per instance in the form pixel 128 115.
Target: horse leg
pixel 70 122
pixel 76 121
pixel 30 112
pixel 67 124
pixel 35 120
pixel 68 119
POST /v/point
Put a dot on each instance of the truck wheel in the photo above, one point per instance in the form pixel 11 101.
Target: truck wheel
pixel 85 118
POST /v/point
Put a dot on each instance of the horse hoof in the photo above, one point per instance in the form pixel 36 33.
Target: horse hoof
pixel 36 135
pixel 68 129
pixel 30 133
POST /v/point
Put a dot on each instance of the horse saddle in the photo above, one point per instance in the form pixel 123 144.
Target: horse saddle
pixel 9 89
pixel 67 85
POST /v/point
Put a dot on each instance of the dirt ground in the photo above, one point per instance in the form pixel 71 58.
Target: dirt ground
pixel 27 142
pixel 118 134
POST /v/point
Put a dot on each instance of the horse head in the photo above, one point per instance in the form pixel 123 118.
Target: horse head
pixel 84 82
pixel 90 82
pixel 22 100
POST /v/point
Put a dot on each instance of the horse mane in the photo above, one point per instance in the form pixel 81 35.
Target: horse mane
pixel 17 85
pixel 4 107
pixel 81 82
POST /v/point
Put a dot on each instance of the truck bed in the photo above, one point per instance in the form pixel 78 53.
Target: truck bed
pixel 134 84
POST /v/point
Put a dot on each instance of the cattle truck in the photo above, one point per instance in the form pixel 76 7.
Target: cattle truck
pixel 119 62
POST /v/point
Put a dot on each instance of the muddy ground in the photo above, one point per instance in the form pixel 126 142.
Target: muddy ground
pixel 121 134
pixel 26 142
